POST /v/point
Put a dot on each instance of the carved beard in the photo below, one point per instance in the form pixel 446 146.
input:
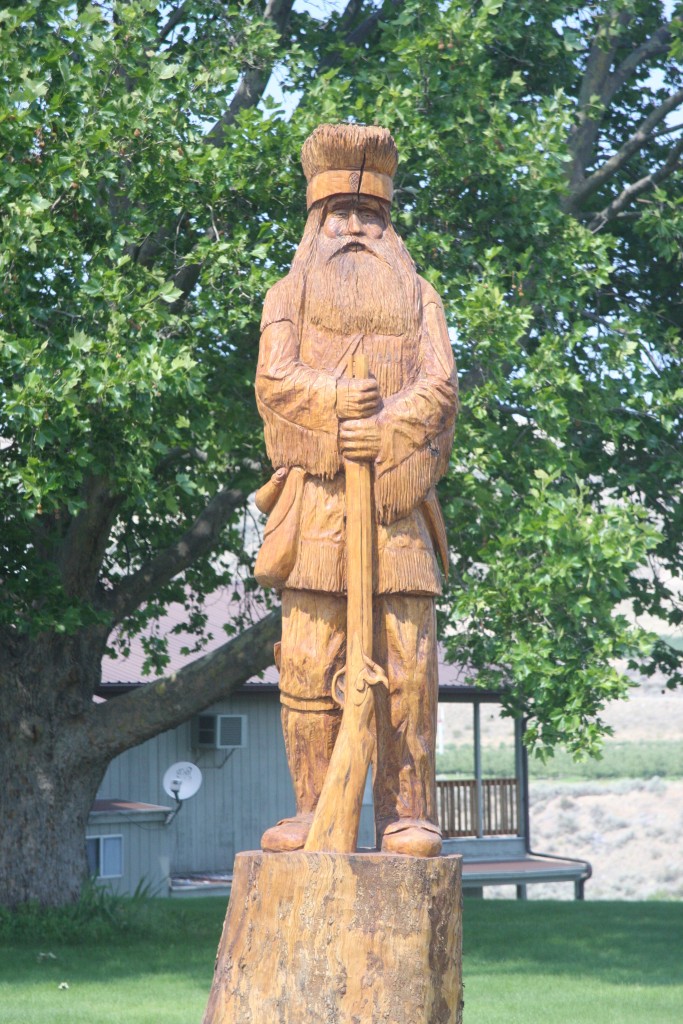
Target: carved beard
pixel 369 289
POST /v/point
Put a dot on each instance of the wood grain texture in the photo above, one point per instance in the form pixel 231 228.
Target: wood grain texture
pixel 337 815
pixel 330 183
pixel 320 938
pixel 359 539
pixel 357 388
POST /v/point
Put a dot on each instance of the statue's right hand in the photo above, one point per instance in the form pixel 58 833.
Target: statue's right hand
pixel 357 398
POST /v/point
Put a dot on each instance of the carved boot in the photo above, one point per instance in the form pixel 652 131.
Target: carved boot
pixel 412 837
pixel 309 742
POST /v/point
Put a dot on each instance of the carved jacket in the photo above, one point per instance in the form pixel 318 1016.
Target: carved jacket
pixel 296 389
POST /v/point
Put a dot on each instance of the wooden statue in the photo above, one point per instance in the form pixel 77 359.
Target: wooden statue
pixel 357 387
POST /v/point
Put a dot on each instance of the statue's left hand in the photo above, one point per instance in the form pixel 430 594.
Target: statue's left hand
pixel 360 439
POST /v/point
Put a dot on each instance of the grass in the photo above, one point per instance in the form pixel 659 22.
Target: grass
pixel 643 760
pixel 150 966
pixel 573 963
pixel 524 963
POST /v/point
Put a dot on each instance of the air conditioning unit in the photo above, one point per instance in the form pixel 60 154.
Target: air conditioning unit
pixel 219 732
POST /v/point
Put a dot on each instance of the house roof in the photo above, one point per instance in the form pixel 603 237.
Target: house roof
pixel 125 807
pixel 122 674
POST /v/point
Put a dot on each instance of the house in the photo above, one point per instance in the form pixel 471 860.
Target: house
pixel 140 836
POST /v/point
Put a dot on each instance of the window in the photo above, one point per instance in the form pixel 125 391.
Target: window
pixel 105 856
pixel 206 731
pixel 220 732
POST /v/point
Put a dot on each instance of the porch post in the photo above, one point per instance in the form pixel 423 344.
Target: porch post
pixel 519 775
pixel 477 769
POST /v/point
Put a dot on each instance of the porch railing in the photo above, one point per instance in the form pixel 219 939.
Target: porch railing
pixel 457 807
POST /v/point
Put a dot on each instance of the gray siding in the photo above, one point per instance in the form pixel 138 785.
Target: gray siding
pixel 146 846
pixel 242 793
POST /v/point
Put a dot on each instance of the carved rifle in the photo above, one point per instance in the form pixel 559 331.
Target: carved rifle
pixel 337 816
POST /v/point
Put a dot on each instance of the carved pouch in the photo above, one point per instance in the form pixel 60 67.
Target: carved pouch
pixel 276 558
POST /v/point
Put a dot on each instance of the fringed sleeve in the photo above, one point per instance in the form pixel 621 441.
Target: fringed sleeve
pixel 417 423
pixel 296 402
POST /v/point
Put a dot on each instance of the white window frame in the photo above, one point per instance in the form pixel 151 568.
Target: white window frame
pixel 100 857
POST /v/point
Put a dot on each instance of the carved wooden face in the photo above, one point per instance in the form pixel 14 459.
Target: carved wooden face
pixel 356 218
pixel 359 276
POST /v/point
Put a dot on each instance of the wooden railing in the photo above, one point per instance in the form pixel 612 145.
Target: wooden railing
pixel 457 807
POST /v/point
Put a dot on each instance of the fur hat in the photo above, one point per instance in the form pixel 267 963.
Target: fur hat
pixel 349 158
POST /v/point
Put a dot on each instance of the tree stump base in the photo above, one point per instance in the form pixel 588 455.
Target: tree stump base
pixel 335 938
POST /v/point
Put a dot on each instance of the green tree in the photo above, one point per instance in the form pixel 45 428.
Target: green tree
pixel 150 193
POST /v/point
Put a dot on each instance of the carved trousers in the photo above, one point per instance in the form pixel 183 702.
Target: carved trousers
pixel 404 644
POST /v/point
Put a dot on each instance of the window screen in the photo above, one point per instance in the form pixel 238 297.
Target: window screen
pixel 231 731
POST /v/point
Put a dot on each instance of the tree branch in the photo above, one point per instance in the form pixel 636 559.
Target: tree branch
pixel 668 131
pixel 600 58
pixel 253 83
pixel 201 537
pixel 174 20
pixel 86 538
pixel 249 91
pixel 640 137
pixel 254 80
pixel 598 84
pixel 185 278
pixel 657 45
pixel 628 194
pixel 179 454
pixel 124 722
pixel 251 87
pixel 345 23
pixel 361 33
pixel 350 12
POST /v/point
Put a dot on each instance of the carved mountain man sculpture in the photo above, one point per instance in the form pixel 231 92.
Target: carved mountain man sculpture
pixel 355 369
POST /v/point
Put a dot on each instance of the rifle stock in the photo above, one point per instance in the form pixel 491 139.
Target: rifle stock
pixel 337 815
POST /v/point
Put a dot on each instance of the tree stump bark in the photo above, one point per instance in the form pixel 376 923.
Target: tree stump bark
pixel 331 938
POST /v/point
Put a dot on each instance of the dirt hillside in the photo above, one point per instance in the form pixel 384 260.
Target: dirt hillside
pixel 630 830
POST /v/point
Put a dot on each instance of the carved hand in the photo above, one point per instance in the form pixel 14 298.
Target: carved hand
pixel 360 439
pixel 357 398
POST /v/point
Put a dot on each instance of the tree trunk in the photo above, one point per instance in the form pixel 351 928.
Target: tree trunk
pixel 55 744
pixel 336 938
pixel 49 772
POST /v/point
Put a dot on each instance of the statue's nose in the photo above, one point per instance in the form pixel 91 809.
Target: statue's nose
pixel 355 224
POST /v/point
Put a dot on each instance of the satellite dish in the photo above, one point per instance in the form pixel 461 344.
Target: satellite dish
pixel 182 780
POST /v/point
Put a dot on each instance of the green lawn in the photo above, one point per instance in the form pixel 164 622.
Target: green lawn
pixel 573 963
pixel 524 963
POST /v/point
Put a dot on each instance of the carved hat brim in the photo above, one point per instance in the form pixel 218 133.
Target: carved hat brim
pixel 349 158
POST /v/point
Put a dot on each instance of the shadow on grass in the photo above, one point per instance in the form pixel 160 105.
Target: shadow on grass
pixel 615 943
pixel 169 937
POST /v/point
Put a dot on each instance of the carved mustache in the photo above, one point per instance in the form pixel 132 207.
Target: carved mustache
pixel 353 247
